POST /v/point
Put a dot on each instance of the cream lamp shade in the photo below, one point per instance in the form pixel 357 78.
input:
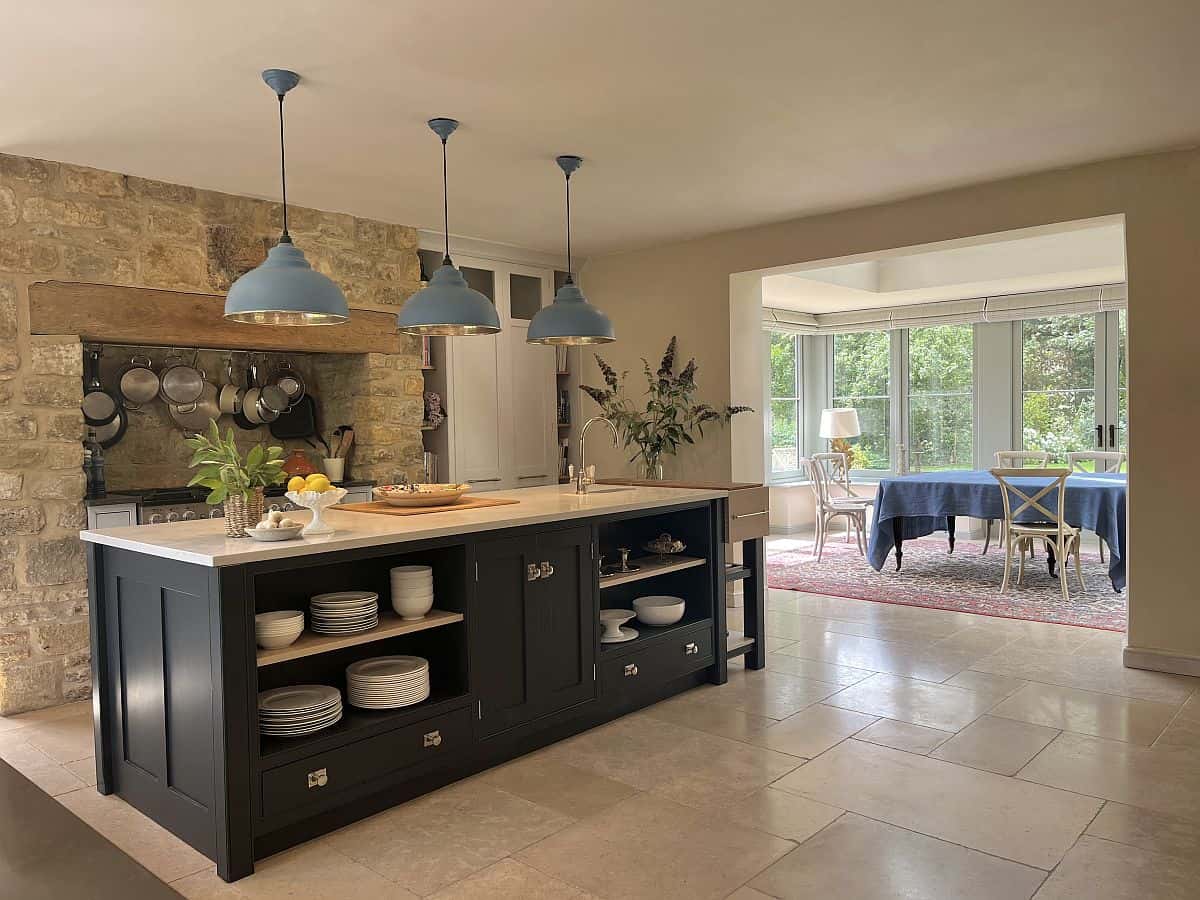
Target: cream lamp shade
pixel 841 422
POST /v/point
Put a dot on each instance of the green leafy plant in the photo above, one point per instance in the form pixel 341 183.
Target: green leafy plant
pixel 225 472
pixel 670 416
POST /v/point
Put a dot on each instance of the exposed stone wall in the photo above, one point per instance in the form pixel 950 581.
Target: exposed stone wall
pixel 68 223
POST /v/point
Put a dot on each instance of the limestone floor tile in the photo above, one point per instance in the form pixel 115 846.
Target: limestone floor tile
pixel 314 871
pixel 35 765
pixel 1166 779
pixel 765 693
pixel 976 638
pixel 843 676
pixel 773 643
pixel 1180 733
pixel 914 701
pixel 714 718
pixel 635 749
pixel 649 847
pixel 511 880
pixel 861 859
pixel 51 778
pixel 884 631
pixel 998 745
pixel 858 652
pixel 1026 823
pixel 147 842
pixel 1147 829
pixel 745 892
pixel 83 769
pixel 994 687
pixel 1097 869
pixel 814 730
pixel 1090 673
pixel 557 785
pixel 64 738
pixel 784 815
pixel 442 837
pixel 1087 712
pixel 712 771
pixel 904 736
pixel 1102 643
pixel 1048 636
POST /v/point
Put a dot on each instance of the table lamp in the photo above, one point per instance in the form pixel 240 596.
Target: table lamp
pixel 837 425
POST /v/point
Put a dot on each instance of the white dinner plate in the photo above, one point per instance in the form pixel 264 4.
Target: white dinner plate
pixel 297 697
pixel 387 666
pixel 340 596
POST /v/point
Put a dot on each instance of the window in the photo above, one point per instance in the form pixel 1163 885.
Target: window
pixel 1058 385
pixel 861 378
pixel 941 404
pixel 785 416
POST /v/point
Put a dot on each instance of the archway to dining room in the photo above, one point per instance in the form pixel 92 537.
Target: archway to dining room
pixel 927 367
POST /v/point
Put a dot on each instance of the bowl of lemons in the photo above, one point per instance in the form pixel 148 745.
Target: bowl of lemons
pixel 315 492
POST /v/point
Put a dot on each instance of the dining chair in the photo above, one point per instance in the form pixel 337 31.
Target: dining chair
pixel 1013 459
pixel 829 507
pixel 1048 501
pixel 1107 461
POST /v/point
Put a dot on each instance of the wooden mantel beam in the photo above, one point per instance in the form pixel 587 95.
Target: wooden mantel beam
pixel 112 314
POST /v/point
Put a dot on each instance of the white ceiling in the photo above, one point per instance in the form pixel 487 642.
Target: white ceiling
pixel 995 265
pixel 693 115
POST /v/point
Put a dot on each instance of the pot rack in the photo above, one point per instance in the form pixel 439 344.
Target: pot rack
pixel 101 345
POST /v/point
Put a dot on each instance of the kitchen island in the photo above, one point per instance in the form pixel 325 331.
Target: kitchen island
pixel 513 644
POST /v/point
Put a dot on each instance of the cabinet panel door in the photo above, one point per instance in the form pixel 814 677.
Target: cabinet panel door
pixel 564 629
pixel 534 440
pixel 502 636
pixel 477 403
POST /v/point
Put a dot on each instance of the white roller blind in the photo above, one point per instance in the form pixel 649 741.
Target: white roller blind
pixel 789 321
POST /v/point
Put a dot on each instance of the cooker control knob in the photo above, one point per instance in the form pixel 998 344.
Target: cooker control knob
pixel 172 516
pixel 274 507
pixel 217 513
pixel 156 519
pixel 188 515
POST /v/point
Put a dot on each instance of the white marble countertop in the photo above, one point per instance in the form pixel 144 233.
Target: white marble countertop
pixel 204 543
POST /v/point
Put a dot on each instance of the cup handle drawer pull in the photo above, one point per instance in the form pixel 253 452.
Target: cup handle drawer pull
pixel 533 572
pixel 318 779
pixel 691 648
pixel 631 670
pixel 432 739
pixel 547 569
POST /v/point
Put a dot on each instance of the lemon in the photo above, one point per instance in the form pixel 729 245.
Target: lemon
pixel 296 483
pixel 318 483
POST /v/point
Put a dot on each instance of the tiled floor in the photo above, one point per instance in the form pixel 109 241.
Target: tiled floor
pixel 885 751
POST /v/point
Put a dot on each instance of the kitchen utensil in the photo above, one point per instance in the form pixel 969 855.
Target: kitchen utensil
pixel 658 611
pixel 138 382
pixel 274 534
pixel 318 503
pixel 194 417
pixel 109 435
pixel 262 403
pixel 612 620
pixel 289 380
pixel 99 406
pixel 625 566
pixel 229 398
pixel 420 494
pixel 180 383
pixel 299 422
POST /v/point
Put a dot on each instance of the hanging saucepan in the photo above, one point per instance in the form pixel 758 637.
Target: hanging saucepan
pixel 194 417
pixel 229 397
pixel 99 406
pixel 138 382
pixel 181 384
pixel 289 380
pixel 110 434
pixel 263 404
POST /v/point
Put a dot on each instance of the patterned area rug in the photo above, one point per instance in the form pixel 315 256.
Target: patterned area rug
pixel 963 581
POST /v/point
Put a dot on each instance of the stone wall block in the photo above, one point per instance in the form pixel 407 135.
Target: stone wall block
pixel 14 645
pixel 72 516
pixel 19 426
pixel 414 384
pixel 64 426
pixel 58 561
pixel 77 676
pixel 53 390
pixel 84 264
pixel 30 686
pixel 55 355
pixel 62 456
pixel 10 361
pixel 11 484
pixel 57 638
pixel 57 486
pixel 21 455
pixel 74 213
pixel 9 212
pixel 8 309
pixel 21 520
pixel 174 221
pixel 160 190
pixel 34 171
pixel 231 251
pixel 402 237
pixel 33 257
pixel 93 182
pixel 173 266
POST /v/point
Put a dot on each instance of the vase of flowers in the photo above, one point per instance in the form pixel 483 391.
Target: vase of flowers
pixel 667 416
pixel 233 479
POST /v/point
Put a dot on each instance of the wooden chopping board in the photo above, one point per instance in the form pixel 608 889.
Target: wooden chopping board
pixel 380 508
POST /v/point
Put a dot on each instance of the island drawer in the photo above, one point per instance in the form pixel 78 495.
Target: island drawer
pixel 320 778
pixel 672 657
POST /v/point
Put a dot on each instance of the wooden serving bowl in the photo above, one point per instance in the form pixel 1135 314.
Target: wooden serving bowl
pixel 424 495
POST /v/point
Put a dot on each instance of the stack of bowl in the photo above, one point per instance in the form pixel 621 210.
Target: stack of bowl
pixel 412 591
pixel 279 629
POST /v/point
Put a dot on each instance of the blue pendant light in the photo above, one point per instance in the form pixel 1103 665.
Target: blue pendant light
pixel 570 319
pixel 447 305
pixel 285 290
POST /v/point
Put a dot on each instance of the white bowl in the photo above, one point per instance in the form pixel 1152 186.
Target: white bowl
pixel 279 617
pixel 275 534
pixel 277 641
pixel 658 610
pixel 408 607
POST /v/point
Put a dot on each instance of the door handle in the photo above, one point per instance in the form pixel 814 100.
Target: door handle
pixel 481 480
pixel 1112 437
pixel 691 648
pixel 533 572
pixel 523 477
pixel 761 512
pixel 546 570
pixel 432 739
pixel 630 670
pixel 1100 437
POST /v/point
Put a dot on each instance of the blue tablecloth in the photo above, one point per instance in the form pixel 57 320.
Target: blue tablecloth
pixel 924 501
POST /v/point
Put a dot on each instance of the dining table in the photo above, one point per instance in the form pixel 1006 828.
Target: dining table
pixel 915 505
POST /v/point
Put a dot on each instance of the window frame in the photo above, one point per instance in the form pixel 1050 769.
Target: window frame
pixel 797 474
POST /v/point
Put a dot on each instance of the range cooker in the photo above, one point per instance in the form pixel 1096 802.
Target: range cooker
pixel 182 504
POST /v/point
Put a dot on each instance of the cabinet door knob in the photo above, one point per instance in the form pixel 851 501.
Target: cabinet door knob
pixel 432 739
pixel 317 779
pixel 690 648
pixel 631 669
pixel 547 570
pixel 533 572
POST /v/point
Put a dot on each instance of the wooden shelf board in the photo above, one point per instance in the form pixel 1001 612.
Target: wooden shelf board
pixel 737 644
pixel 652 566
pixel 565 372
pixel 736 573
pixel 390 625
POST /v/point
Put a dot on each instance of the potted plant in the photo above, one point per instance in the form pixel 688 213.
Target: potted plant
pixel 670 415
pixel 235 480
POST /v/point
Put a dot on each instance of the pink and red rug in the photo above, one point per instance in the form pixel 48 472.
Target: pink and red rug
pixel 963 581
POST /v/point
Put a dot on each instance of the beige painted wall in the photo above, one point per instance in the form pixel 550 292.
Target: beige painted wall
pixel 684 289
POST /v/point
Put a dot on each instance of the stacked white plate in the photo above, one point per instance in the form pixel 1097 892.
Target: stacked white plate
pixel 412 591
pixel 344 612
pixel 298 709
pixel 278 629
pixel 387 682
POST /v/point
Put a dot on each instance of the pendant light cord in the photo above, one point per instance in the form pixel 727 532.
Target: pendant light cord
pixel 285 238
pixel 445 207
pixel 570 270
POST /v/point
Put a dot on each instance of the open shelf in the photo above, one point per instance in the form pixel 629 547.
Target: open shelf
pixel 648 634
pixel 734 572
pixel 390 625
pixel 737 644
pixel 652 566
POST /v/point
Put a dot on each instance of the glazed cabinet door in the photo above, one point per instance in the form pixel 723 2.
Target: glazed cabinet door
pixel 563 629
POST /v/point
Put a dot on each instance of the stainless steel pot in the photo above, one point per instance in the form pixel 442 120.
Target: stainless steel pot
pixel 289 380
pixel 229 397
pixel 138 382
pixel 99 406
pixel 263 403
pixel 194 417
pixel 180 383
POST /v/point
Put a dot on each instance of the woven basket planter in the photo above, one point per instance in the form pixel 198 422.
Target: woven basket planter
pixel 242 513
